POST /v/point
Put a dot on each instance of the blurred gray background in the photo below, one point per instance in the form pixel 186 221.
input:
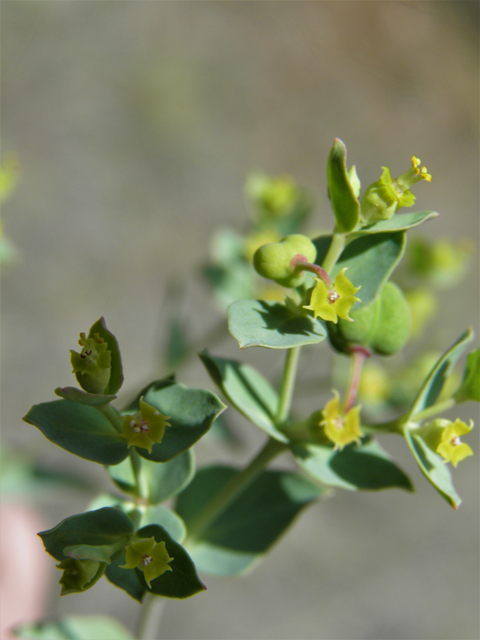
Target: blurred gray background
pixel 135 124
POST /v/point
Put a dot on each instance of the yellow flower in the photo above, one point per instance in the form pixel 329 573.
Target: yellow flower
pixel 443 437
pixel 145 427
pixel 149 556
pixel 341 429
pixel 336 302
pixel 451 448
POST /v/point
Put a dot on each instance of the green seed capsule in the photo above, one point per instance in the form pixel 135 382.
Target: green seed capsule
pixel 382 327
pixel 273 260
pixel 393 322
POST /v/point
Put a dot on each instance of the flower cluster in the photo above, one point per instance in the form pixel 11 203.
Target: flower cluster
pixel 443 437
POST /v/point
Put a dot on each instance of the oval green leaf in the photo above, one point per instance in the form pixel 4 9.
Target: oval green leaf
pixel 80 429
pixel 239 536
pixel 366 467
pixel 163 479
pixel 247 390
pixel 258 323
pixel 102 527
pixel 116 375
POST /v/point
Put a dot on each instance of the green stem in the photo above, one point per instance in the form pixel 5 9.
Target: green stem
pixel 334 250
pixel 141 481
pixel 234 487
pixel 149 619
pixel 287 384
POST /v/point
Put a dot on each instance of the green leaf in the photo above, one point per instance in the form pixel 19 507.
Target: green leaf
pixel 191 411
pixel 433 468
pixel 433 383
pixel 470 387
pixel 125 579
pixel 182 581
pixel 74 628
pixel 247 390
pixel 258 323
pixel 97 528
pixel 80 429
pixel 239 536
pixel 116 375
pixel 345 205
pixel 169 520
pixel 370 260
pixel 399 222
pixel 83 397
pixel 163 479
pixel 365 467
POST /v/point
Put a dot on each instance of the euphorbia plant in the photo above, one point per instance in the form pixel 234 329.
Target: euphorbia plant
pixel 334 289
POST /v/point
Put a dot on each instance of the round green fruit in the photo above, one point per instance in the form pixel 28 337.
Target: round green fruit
pixel 382 327
pixel 273 260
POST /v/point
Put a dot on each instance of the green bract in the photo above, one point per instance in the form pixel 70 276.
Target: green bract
pixel 273 260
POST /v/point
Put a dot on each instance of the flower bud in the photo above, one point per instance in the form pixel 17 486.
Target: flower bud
pixel 79 575
pixel 92 366
pixel 273 260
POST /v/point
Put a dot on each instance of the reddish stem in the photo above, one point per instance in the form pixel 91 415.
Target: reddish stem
pixel 359 354
pixel 301 263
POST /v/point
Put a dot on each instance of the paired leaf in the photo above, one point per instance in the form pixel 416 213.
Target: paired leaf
pixel 103 527
pixel 433 384
pixel 80 429
pixel 258 323
pixel 470 387
pixel 345 205
pixel 399 222
pixel 433 468
pixel 182 581
pixel 74 628
pixel 239 536
pixel 247 390
pixel 163 479
pixel 366 467
pixel 191 411
pixel 370 260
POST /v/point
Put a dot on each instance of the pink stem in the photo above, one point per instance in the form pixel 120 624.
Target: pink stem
pixel 359 354
pixel 301 263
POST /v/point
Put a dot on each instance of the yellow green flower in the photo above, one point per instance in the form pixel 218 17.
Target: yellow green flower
pixel 387 195
pixel 149 556
pixel 443 437
pixel 341 429
pixel 336 302
pixel 145 427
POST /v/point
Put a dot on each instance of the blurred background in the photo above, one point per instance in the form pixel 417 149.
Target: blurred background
pixel 133 127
